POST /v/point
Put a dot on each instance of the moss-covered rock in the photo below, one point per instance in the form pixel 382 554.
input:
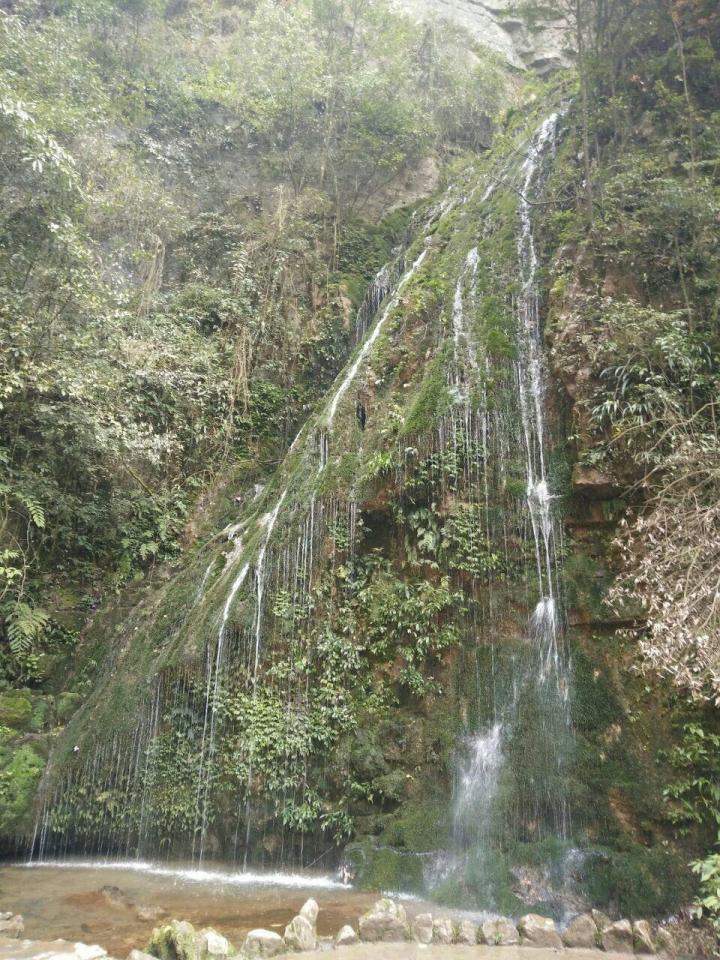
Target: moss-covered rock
pixel 16 710
pixel 18 782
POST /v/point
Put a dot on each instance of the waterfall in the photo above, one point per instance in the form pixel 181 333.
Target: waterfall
pixel 367 346
pixel 536 681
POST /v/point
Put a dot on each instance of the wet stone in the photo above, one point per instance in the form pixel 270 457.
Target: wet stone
pixel 467 932
pixel 581 932
pixel 422 928
pixel 300 935
pixel 442 930
pixel 346 936
pixel 537 931
pixel 262 943
pixel 665 942
pixel 501 933
pixel 618 937
pixel 213 945
pixel 385 922
pixel 642 937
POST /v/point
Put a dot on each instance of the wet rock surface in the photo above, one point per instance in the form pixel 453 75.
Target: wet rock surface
pixel 537 931
pixel 581 932
pixel 385 922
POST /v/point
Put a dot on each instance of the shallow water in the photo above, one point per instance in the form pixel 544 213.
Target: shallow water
pixel 65 900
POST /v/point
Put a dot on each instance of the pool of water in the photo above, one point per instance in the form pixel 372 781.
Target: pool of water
pixel 66 899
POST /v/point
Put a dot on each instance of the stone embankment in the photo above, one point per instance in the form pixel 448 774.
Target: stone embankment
pixel 385 924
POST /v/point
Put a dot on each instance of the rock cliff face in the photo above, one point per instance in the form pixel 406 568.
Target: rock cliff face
pixel 543 45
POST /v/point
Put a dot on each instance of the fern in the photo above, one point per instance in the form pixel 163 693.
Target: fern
pixel 36 512
pixel 25 625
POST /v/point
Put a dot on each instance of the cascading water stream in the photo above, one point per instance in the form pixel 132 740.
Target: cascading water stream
pixel 540 677
pixel 370 341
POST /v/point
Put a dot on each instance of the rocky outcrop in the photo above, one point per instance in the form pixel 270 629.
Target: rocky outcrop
pixel 501 933
pixel 593 483
pixel 537 931
pixel 385 922
pixel 581 932
pixel 618 937
pixel 543 47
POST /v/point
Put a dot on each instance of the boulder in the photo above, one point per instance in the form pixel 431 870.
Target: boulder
pixel 602 920
pixel 15 710
pixel 642 937
pixel 467 932
pixel 422 928
pixel 310 911
pixel 262 943
pixel 11 926
pixel 665 942
pixel 618 937
pixel 176 940
pixel 537 931
pixel 501 932
pixel 212 945
pixel 346 936
pixel 385 921
pixel 581 932
pixel 300 935
pixel 442 930
pixel 139 955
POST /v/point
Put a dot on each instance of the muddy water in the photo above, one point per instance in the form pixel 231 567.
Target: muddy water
pixel 67 901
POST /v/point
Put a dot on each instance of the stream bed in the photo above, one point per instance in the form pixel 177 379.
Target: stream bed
pixel 110 902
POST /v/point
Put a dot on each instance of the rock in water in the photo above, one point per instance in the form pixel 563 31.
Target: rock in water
pixel 422 928
pixel 346 936
pixel 177 940
pixel 213 945
pixel 385 921
pixel 11 926
pixel 581 932
pixel 115 897
pixel 501 933
pixel 300 935
pixel 467 932
pixel 442 930
pixel 642 937
pixel 310 910
pixel 139 955
pixel 537 931
pixel 262 943
pixel 618 937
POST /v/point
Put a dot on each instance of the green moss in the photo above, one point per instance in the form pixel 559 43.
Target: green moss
pixel 67 704
pixel 431 400
pixel 18 781
pixel 385 869
pixel 15 710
